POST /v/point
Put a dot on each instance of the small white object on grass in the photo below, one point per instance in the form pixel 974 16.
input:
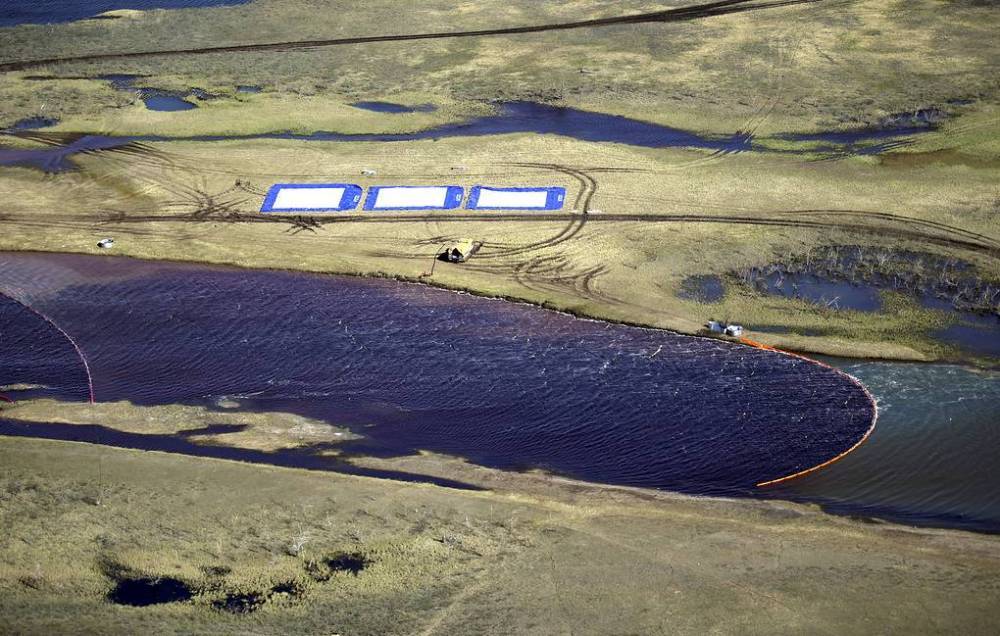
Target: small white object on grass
pixel 105 244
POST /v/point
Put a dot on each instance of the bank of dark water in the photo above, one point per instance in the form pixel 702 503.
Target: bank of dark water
pixel 411 367
pixel 504 385
pixel 181 445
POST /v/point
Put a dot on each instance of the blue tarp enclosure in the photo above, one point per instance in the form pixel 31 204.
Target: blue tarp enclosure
pixel 312 197
pixel 487 198
pixel 414 197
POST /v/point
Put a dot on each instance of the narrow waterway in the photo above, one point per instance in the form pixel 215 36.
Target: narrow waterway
pixel 509 118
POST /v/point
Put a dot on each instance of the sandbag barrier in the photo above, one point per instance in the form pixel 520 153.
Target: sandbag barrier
pixel 857 382
pixel 345 197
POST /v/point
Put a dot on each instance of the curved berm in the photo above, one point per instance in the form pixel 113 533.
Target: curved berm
pixel 411 367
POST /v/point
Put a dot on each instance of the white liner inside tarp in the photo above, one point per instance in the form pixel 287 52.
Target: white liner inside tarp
pixel 508 199
pixel 318 198
pixel 429 197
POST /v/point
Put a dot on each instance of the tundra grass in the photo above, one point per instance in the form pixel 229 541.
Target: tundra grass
pixel 824 66
pixel 812 67
pixel 536 555
pixel 656 217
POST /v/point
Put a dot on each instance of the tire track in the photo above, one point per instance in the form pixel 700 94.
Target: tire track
pixel 681 14
pixel 588 187
pixel 985 246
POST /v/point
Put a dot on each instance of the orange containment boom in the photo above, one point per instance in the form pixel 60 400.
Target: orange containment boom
pixel 850 377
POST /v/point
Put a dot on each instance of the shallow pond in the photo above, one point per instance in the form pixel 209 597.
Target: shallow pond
pixel 820 291
pixel 703 288
pixel 980 338
pixel 164 102
pixel 852 277
pixel 390 107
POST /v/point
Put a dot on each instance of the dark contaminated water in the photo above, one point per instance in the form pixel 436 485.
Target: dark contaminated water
pixel 532 117
pixel 57 158
pixel 14 12
pixel 505 385
pixel 892 132
pixel 410 367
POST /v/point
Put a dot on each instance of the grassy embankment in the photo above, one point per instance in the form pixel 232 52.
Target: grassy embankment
pixel 536 555
pixel 795 69
pixel 256 431
pixel 648 228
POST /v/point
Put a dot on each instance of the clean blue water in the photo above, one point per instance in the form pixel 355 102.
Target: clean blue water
pixel 411 367
pixel 14 12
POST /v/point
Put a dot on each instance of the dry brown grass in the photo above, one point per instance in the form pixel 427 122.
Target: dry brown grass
pixel 537 556
pixel 656 217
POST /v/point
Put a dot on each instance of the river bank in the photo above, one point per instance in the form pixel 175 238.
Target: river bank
pixel 621 257
pixel 437 560
pixel 282 400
